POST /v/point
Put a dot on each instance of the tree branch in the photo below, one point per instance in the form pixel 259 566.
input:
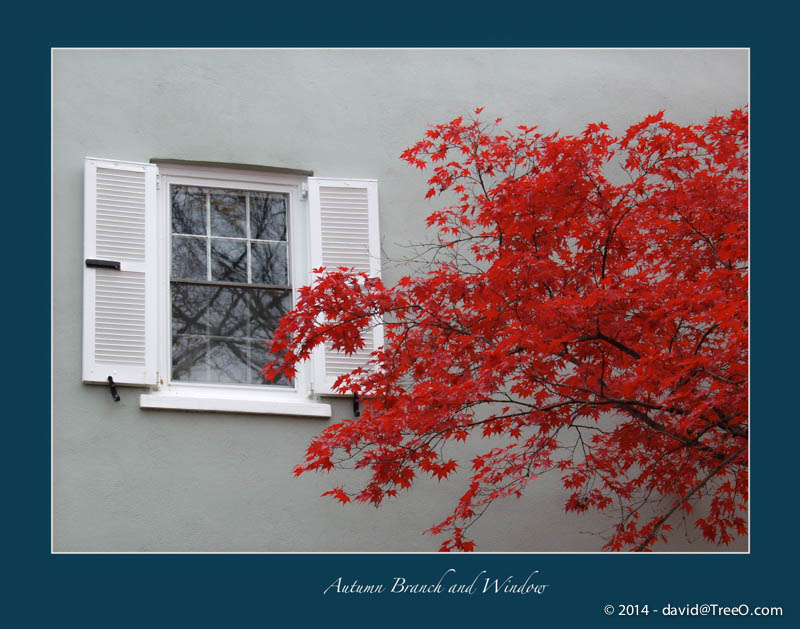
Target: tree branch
pixel 696 488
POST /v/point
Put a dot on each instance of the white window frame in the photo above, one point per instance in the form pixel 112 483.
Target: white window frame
pixel 240 398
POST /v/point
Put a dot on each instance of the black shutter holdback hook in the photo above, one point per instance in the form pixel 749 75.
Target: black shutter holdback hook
pixel 113 388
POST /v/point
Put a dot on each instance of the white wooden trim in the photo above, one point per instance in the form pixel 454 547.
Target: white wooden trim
pixel 237 402
pixel 261 399
pixel 205 173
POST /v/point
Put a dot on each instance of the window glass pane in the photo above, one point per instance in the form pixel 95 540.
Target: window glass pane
pixel 260 356
pixel 228 213
pixel 269 263
pixel 268 215
pixel 189 358
pixel 228 312
pixel 189 305
pixel 228 260
pixel 188 210
pixel 221 334
pixel 228 361
pixel 189 258
pixel 266 308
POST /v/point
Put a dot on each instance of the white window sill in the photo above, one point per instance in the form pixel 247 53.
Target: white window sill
pixel 238 403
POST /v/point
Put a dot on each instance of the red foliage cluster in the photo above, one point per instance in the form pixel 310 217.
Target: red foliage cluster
pixel 585 301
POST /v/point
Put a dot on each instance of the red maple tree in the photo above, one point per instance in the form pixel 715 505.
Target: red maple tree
pixel 584 304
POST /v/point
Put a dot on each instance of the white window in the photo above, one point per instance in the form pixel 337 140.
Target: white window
pixel 190 267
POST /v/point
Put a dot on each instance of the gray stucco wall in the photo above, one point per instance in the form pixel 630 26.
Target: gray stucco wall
pixel 126 479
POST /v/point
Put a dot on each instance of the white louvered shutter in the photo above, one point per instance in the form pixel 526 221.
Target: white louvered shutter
pixel 119 304
pixel 344 232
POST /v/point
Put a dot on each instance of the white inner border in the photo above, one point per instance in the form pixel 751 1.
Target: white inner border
pixel 419 48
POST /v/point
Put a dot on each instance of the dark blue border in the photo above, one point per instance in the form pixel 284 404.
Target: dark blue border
pixel 280 590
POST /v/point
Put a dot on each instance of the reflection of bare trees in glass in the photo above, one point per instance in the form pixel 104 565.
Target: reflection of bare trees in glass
pixel 269 263
pixel 267 216
pixel 188 210
pixel 228 260
pixel 189 258
pixel 228 290
pixel 228 211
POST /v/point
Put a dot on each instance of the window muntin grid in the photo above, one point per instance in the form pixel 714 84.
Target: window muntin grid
pixel 230 270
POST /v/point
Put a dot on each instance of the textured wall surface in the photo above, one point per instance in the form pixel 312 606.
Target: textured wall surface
pixel 126 479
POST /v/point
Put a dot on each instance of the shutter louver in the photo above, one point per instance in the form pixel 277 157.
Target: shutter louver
pixel 119 306
pixel 344 233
